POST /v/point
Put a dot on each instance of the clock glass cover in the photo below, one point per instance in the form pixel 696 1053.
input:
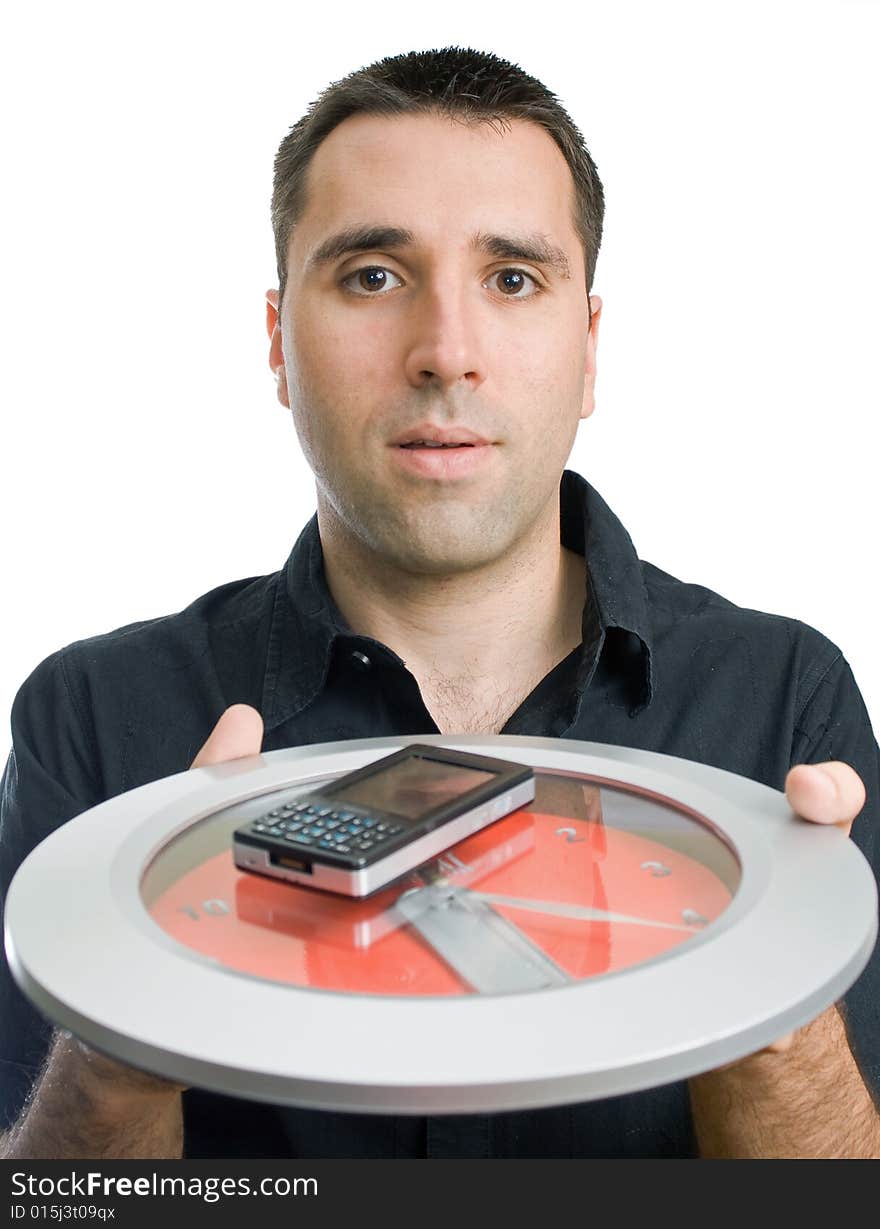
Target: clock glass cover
pixel 591 879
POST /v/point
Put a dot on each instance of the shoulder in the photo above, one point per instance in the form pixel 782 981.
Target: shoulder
pixel 701 611
pixel 240 604
pixel 685 615
pixel 154 684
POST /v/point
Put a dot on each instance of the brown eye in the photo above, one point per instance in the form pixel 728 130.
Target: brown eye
pixel 371 280
pixel 515 283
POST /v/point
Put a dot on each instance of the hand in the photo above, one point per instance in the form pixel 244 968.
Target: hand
pixel 238 733
pixel 829 793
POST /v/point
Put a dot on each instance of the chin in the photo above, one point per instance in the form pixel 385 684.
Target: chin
pixel 439 553
pixel 443 539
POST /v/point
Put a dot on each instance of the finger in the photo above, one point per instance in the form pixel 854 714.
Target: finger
pixel 775 1047
pixel 779 1046
pixel 828 793
pixel 109 1071
pixel 239 732
pixel 593 802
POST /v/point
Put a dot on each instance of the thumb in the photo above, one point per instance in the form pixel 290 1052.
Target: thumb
pixel 238 733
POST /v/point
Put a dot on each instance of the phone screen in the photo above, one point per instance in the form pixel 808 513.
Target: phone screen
pixel 413 787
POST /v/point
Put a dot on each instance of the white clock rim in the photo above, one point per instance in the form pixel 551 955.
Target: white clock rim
pixel 781 953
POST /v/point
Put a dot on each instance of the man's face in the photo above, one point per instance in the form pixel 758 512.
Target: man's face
pixel 436 294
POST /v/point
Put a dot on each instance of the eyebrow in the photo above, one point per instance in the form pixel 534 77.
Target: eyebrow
pixel 534 248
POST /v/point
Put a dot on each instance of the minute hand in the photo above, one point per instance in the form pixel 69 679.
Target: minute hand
pixel 584 913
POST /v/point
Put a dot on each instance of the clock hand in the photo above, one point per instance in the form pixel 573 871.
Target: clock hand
pixel 580 912
pixel 488 952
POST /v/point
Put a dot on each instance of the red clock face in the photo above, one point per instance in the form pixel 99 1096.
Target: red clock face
pixel 590 879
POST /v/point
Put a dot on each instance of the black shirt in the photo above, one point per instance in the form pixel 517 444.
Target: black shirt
pixel 664 665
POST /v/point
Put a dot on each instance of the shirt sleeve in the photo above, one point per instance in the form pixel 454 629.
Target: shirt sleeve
pixel 51 776
pixel 835 725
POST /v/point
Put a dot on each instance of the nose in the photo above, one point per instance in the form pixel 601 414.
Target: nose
pixel 446 343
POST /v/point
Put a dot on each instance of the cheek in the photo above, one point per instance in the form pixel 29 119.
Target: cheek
pixel 569 359
pixel 308 353
pixel 335 376
pixel 550 374
pixel 545 344
pixel 342 355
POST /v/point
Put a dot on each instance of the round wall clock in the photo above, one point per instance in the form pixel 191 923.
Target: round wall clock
pixel 646 918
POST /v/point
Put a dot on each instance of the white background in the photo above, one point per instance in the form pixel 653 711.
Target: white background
pixel 145 458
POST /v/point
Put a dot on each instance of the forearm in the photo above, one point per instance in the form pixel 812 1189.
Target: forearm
pixel 86 1107
pixel 808 1101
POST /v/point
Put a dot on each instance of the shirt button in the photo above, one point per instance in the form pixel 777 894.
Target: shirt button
pixel 361 660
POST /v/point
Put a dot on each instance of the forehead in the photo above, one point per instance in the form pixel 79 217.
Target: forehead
pixel 440 178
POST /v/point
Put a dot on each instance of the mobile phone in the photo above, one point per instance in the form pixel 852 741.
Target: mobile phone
pixel 357 924
pixel 367 828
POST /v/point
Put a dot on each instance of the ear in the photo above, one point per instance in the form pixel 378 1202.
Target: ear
pixel 589 402
pixel 276 354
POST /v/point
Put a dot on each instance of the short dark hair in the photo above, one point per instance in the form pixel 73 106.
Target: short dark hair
pixel 466 85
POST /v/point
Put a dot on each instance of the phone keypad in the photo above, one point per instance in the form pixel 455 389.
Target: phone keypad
pixel 332 831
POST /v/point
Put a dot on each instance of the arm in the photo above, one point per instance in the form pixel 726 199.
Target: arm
pixel 804 1096
pixel 84 1105
pixel 806 1100
pixel 87 1106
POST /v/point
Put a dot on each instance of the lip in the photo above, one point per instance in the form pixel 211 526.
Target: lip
pixel 439 435
pixel 443 464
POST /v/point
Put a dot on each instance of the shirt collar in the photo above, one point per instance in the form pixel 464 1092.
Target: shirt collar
pixel 617 621
pixel 306 622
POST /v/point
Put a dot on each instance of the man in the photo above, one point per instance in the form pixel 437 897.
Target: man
pixel 437 221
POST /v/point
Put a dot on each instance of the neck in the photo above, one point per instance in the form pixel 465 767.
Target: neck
pixel 520 613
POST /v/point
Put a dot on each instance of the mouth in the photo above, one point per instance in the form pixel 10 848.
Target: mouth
pixel 427 436
pixel 443 454
pixel 433 444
